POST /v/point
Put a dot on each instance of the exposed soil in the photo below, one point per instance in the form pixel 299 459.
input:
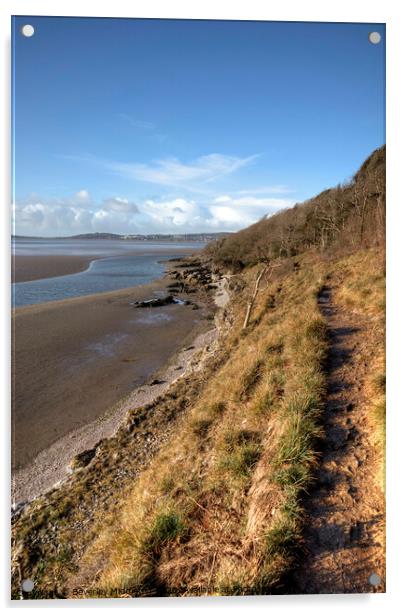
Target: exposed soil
pixel 345 511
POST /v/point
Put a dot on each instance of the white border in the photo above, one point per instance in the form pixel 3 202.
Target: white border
pixel 287 10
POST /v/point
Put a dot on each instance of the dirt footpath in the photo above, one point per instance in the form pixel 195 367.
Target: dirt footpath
pixel 345 523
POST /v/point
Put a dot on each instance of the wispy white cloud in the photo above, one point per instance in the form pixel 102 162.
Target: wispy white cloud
pixel 173 172
pixel 200 175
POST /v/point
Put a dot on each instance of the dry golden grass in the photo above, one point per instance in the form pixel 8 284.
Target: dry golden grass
pixel 218 510
pixel 362 287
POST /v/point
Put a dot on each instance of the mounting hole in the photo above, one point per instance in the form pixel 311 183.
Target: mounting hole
pixel 374 579
pixel 27 585
pixel 374 38
pixel 27 30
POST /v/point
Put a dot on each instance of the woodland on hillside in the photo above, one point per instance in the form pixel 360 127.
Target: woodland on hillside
pixel 346 218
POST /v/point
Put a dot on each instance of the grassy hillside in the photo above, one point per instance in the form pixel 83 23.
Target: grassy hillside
pixel 220 510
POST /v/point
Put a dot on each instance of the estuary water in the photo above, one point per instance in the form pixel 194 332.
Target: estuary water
pixel 117 264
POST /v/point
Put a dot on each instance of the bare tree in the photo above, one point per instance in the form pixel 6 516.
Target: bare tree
pixel 251 302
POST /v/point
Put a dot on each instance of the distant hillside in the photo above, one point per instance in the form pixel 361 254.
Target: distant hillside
pixel 94 236
pixel 345 218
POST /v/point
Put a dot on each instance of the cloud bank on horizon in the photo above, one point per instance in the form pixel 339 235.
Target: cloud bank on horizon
pixel 196 204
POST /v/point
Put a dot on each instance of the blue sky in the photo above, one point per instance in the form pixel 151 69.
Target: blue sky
pixel 143 126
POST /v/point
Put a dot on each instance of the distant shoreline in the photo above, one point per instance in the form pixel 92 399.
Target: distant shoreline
pixel 153 237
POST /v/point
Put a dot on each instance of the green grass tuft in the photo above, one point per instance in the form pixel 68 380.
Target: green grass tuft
pixel 165 528
pixel 241 461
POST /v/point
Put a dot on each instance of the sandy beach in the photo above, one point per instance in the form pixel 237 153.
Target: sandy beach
pixel 76 358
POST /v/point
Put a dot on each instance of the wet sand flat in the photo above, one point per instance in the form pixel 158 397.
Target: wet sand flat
pixel 74 359
pixel 34 267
